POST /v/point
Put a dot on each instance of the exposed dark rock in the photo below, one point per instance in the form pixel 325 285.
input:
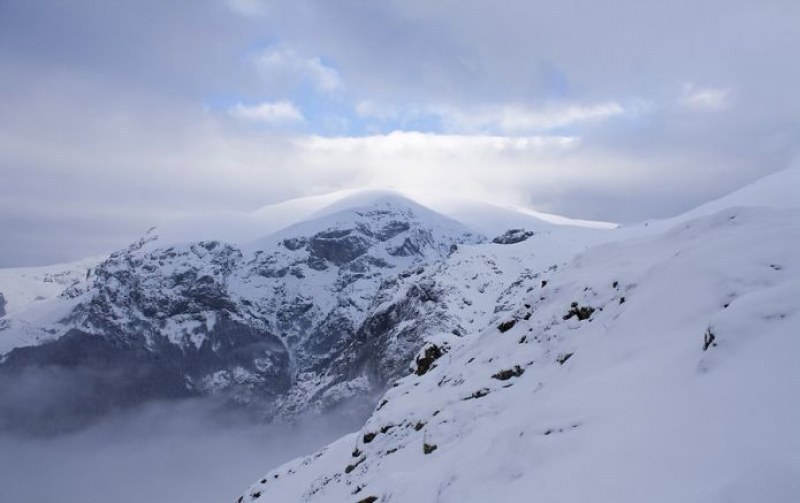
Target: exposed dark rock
pixel 338 246
pixel 407 248
pixel 392 229
pixel 2 305
pixel 295 244
pixel 478 394
pixel 507 374
pixel 562 358
pixel 350 468
pixel 430 355
pixel 581 312
pixel 506 325
pixel 428 448
pixel 513 236
pixel 708 339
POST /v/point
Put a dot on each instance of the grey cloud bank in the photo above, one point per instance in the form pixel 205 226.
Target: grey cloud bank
pixel 116 116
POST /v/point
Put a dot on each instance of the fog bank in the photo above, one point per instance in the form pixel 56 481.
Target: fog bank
pixel 180 452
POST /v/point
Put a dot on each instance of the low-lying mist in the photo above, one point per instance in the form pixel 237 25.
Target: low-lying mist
pixel 176 451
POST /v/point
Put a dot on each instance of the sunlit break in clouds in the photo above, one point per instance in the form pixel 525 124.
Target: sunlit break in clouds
pixel 118 116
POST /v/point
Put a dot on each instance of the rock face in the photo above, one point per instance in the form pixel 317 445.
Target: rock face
pixel 512 236
pixel 321 312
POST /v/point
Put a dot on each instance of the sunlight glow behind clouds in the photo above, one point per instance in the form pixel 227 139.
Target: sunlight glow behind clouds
pixel 116 114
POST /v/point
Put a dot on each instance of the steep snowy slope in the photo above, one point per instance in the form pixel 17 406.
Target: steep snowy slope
pixel 655 369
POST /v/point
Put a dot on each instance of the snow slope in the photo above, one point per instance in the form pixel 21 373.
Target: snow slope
pixel 22 286
pixel 659 368
pixel 31 300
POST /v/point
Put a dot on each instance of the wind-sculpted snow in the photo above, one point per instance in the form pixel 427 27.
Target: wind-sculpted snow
pixel 657 369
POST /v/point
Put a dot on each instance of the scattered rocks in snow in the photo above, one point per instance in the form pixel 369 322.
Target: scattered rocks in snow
pixel 478 394
pixel 708 339
pixel 581 312
pixel 350 468
pixel 512 236
pixel 425 361
pixel 507 374
pixel 428 448
pixel 550 431
pixel 368 499
pixel 506 325
pixel 369 437
pixel 562 358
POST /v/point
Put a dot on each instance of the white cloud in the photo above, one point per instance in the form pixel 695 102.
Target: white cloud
pixel 503 119
pixel 704 98
pixel 250 8
pixel 515 119
pixel 280 63
pixel 269 113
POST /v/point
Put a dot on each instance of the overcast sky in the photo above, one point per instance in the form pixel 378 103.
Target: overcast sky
pixel 116 115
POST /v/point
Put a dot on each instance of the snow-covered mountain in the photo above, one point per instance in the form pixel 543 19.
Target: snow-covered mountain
pixel 525 355
pixel 329 308
pixel 660 366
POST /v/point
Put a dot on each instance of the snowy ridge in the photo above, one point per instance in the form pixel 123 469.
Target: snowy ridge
pixel 649 369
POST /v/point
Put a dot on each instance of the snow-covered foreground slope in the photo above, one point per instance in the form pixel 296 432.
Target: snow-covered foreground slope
pixel 658 369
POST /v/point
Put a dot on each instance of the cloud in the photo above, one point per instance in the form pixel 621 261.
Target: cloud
pixel 515 119
pixel 269 113
pixel 282 64
pixel 704 98
pixel 103 130
pixel 193 450
pixel 247 7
